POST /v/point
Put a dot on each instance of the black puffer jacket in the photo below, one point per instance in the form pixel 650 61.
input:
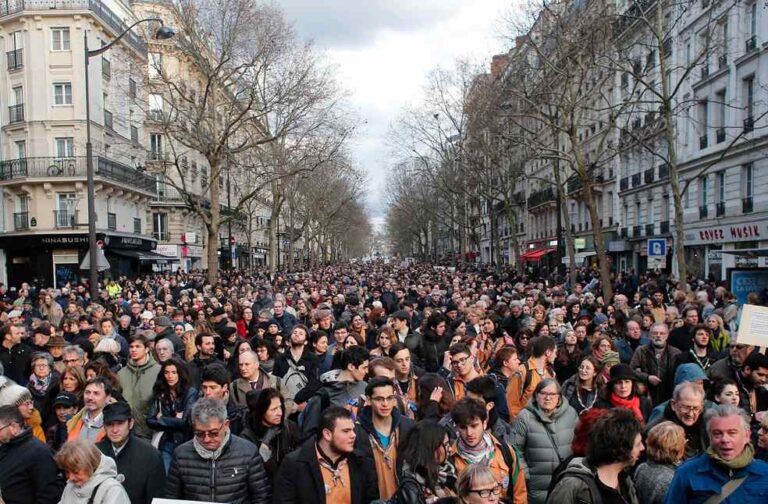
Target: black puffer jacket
pixel 28 473
pixel 431 351
pixel 237 476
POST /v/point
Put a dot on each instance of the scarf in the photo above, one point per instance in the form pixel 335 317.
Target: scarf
pixel 632 404
pixel 740 462
pixel 207 454
pixel 335 468
pixel 703 362
pixel 483 452
pixel 446 479
pixel 40 385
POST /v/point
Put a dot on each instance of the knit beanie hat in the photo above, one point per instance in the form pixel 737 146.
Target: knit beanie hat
pixel 14 395
pixel 610 358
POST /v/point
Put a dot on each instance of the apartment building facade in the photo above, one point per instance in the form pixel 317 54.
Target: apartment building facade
pixel 722 136
pixel 43 215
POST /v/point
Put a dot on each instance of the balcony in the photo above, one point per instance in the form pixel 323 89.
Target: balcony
pixel 624 184
pixel 703 141
pixel 163 236
pixel 50 167
pixel 648 176
pixel 96 7
pixel 747 205
pixel 703 212
pixel 15 59
pixel 664 227
pixel 663 171
pixel 637 231
pixel 111 221
pixel 636 180
pixel 720 209
pixel 751 43
pixel 720 135
pixel 21 221
pixel 166 194
pixel 16 113
pixel 749 124
pixel 649 230
pixel 65 218
pixel 540 197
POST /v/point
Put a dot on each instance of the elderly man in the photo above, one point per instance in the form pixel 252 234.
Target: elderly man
pixel 728 471
pixel 654 364
pixel 685 409
pixel 217 455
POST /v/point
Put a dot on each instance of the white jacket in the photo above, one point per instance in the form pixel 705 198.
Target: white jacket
pixel 110 490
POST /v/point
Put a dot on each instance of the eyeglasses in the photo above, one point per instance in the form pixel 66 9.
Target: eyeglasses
pixel 42 365
pixel 70 361
pixel 6 426
pixel 486 492
pixel 549 394
pixel 460 361
pixel 213 434
pixel 689 409
pixel 383 400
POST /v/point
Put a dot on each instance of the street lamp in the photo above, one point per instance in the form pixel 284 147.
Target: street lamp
pixel 162 33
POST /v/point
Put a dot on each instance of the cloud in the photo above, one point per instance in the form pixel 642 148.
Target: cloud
pixel 356 23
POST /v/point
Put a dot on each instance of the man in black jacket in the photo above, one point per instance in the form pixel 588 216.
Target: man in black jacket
pixel 28 473
pixel 217 466
pixel 137 460
pixel 326 467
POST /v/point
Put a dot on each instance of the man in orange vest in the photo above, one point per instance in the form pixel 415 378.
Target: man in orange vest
pixel 88 423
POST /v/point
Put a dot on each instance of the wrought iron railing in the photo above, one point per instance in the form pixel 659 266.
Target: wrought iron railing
pixel 65 218
pixel 21 221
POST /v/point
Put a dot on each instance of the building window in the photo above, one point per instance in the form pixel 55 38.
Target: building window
pixel 749 96
pixel 131 88
pixel 155 65
pixel 703 189
pixel 155 146
pixel 721 186
pixel 62 93
pixel 665 208
pixel 160 226
pixel 65 147
pixel 749 181
pixel 156 107
pixel 21 149
pixel 60 39
pixel 134 134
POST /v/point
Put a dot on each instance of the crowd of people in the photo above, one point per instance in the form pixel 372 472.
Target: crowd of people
pixel 376 382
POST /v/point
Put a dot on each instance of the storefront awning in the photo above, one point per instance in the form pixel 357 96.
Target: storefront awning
pixel 143 255
pixel 747 252
pixel 535 255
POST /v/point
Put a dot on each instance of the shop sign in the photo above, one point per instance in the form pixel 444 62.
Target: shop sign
pixel 727 234
pixel 579 243
pixel 191 251
pixel 65 240
pixel 618 246
pixel 167 250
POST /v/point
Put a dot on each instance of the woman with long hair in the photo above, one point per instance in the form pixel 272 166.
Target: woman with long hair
pixel 73 380
pixel 385 337
pixel 427 473
pixel 434 398
pixel 246 323
pixel 268 427
pixel 172 398
pixel 720 337
pixel 621 392
pixel 581 389
pixel 50 309
pixel 568 356
pixel 522 338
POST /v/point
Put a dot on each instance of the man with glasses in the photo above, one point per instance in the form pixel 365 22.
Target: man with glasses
pixel 685 409
pixel 729 366
pixel 462 369
pixel 216 465
pixel 379 429
pixel 28 473
pixel 476 445
pixel 73 356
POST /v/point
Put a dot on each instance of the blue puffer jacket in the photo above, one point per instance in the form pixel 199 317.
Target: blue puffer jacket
pixel 700 478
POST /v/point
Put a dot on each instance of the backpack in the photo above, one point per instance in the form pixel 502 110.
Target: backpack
pixel 594 491
pixel 291 383
pixel 506 453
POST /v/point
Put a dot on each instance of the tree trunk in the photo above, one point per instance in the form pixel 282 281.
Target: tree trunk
pixel 277 202
pixel 213 225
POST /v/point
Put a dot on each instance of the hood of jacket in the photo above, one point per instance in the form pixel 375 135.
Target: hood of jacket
pixel 577 465
pixel 533 407
pixel 138 369
pixel 689 373
pixel 340 389
pixel 107 469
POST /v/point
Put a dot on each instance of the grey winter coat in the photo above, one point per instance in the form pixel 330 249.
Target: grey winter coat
pixel 652 481
pixel 572 490
pixel 110 491
pixel 544 442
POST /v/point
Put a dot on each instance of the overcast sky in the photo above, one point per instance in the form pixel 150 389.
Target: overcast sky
pixel 384 50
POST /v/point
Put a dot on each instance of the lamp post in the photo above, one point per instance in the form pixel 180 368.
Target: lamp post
pixel 164 32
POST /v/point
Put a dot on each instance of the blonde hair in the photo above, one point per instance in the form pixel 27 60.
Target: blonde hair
pixel 78 454
pixel 472 477
pixel 666 443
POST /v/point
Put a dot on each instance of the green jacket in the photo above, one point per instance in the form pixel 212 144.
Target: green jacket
pixel 571 489
pixel 137 383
